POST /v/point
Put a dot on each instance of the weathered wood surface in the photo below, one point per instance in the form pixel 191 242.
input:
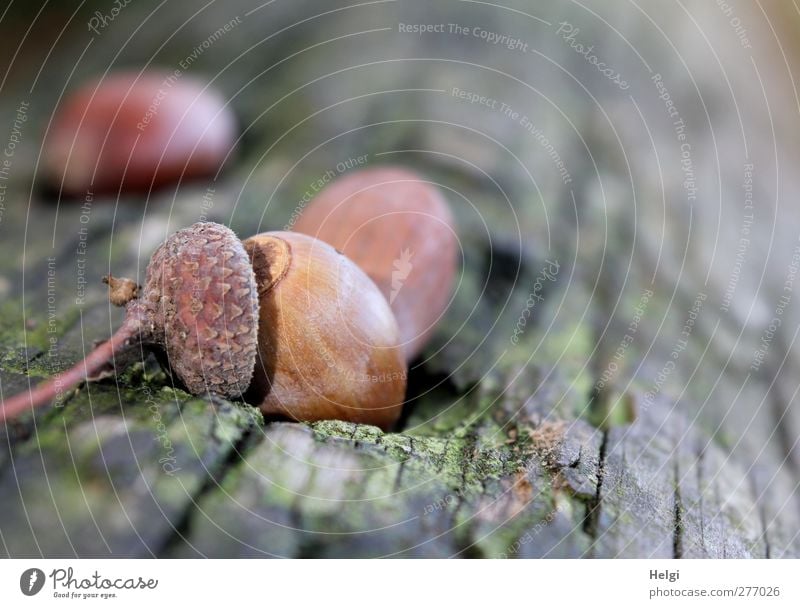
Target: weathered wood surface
pixel 518 448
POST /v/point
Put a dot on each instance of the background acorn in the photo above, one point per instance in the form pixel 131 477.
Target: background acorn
pixel 399 229
pixel 133 131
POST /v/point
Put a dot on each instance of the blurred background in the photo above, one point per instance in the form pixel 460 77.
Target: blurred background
pixel 648 148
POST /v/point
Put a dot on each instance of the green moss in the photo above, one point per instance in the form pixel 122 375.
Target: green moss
pixel 333 429
pixel 399 447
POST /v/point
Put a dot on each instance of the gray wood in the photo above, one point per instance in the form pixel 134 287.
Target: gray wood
pixel 508 449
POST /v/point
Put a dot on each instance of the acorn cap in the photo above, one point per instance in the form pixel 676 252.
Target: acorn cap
pixel 202 300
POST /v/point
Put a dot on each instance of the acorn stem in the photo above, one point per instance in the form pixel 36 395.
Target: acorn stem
pixel 121 291
pixel 100 358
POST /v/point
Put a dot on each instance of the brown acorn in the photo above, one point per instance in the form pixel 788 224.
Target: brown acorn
pixel 398 228
pixel 135 132
pixel 322 334
pixel 328 341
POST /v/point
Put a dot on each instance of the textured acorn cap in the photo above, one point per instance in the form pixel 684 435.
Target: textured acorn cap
pixel 201 297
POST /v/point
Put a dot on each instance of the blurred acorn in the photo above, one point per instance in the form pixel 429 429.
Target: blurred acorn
pixel 135 132
pixel 398 228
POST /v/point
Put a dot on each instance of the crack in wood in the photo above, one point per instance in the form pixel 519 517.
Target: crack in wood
pixel 181 529
pixel 677 538
pixel 592 519
pixel 701 493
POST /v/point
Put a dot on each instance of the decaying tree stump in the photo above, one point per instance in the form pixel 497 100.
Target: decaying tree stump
pixel 601 385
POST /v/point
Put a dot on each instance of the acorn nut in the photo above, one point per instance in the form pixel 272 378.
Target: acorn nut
pixel 135 132
pixel 328 341
pixel 397 228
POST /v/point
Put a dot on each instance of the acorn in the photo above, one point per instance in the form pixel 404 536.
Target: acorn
pixel 328 341
pixel 133 132
pixel 281 318
pixel 398 228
